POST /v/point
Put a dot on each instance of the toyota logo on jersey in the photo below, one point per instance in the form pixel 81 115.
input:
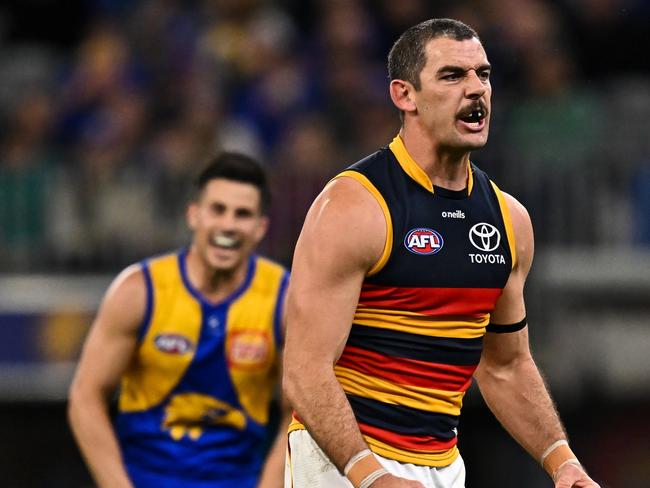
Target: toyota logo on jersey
pixel 484 237
pixel 423 241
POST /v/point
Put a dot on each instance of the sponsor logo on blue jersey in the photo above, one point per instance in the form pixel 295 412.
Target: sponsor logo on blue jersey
pixel 423 241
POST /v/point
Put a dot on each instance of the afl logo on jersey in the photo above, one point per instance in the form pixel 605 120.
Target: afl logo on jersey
pixel 173 343
pixel 423 241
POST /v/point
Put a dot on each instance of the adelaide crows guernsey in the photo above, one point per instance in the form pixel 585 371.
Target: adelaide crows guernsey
pixel 194 402
pixel 417 332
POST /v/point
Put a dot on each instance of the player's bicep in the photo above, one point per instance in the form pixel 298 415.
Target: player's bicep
pixel 342 238
pixel 113 335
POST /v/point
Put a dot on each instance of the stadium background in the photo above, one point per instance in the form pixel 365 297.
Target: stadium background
pixel 108 107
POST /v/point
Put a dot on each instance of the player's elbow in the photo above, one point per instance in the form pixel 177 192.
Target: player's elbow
pixel 81 401
pixel 290 382
pixel 75 404
pixel 304 374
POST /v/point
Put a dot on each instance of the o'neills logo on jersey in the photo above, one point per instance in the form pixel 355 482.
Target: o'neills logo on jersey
pixel 456 214
pixel 173 343
pixel 423 241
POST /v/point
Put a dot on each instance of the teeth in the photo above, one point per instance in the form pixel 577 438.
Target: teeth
pixel 223 241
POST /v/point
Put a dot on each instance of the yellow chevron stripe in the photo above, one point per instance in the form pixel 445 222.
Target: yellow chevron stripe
pixel 388 244
pixel 433 459
pixel 426 399
pixel 436 459
pixel 507 222
pixel 462 328
pixel 414 170
pixel 407 163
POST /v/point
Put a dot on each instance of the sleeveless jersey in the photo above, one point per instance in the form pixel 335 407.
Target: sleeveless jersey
pixel 417 333
pixel 194 402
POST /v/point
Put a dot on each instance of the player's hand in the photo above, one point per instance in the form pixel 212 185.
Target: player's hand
pixel 392 481
pixel 573 476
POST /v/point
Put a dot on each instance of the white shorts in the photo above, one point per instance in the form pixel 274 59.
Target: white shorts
pixel 308 467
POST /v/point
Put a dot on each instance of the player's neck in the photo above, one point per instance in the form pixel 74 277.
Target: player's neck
pixel 214 284
pixel 445 168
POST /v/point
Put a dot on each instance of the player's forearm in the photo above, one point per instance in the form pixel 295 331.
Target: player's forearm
pixel 273 472
pixel 91 426
pixel 518 397
pixel 322 406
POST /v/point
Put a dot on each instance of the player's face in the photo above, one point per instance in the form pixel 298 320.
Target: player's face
pixel 453 103
pixel 227 223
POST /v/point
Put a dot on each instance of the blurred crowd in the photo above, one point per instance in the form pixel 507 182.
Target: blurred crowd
pixel 105 121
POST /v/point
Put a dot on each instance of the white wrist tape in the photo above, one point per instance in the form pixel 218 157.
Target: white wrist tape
pixel 551 448
pixel 363 469
pixel 568 461
pixel 557 455
pixel 354 459
pixel 372 477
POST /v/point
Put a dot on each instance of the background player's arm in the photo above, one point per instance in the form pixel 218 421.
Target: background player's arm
pixel 343 236
pixel 105 356
pixel 508 378
pixel 273 472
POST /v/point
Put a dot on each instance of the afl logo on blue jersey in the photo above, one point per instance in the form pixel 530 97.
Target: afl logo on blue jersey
pixel 423 241
pixel 173 343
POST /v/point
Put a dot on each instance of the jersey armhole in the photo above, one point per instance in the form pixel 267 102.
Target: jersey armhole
pixel 388 245
pixel 146 320
pixel 279 310
pixel 507 222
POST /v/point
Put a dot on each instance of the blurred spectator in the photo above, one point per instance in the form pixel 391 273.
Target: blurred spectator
pixel 141 100
pixel 26 157
pixel 307 158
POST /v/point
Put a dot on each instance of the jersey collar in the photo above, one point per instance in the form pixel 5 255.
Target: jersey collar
pixel 415 172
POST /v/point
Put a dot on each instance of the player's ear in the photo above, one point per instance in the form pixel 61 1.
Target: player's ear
pixel 401 94
pixel 263 226
pixel 192 215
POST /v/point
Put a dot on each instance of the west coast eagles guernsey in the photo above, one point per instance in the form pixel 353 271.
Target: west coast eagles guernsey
pixel 194 403
pixel 417 333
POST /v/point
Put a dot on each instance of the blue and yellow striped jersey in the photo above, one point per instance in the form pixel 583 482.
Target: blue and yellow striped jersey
pixel 194 402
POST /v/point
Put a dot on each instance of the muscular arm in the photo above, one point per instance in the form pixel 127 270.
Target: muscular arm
pixel 106 354
pixel 343 236
pixel 508 378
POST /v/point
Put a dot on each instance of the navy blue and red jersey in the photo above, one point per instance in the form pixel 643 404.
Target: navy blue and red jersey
pixel 417 333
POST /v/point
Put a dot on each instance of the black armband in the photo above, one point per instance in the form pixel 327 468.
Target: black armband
pixel 503 328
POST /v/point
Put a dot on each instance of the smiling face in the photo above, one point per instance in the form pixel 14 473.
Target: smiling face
pixel 227 222
pixel 453 102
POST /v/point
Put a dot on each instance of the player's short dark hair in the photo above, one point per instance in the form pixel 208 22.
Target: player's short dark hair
pixel 237 167
pixel 407 57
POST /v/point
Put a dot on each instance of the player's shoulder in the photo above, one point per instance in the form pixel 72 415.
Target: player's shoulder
pixel 522 228
pixel 125 300
pixel 518 212
pixel 130 278
pixel 134 278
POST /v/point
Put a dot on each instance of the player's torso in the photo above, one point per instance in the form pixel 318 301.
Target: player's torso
pixel 417 333
pixel 195 398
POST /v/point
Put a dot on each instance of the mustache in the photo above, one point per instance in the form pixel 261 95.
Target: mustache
pixel 478 106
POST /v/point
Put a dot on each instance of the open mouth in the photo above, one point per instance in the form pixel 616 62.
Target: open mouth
pixel 475 116
pixel 224 242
